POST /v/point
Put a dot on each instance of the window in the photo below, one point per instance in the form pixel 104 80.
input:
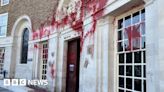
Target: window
pixel 3 24
pixel 25 38
pixel 2 52
pixel 4 2
pixel 131 52
pixel 44 59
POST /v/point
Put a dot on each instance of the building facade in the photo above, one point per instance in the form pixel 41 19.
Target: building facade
pixel 83 45
pixel 18 19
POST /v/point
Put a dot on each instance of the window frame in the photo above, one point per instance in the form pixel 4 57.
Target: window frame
pixel 143 65
pixel 43 64
pixel 2 4
pixel 2 60
pixel 4 14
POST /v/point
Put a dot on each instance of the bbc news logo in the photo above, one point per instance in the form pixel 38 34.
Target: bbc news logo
pixel 24 82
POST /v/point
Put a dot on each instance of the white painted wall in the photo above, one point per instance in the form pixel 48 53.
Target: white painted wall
pixel 7 60
pixel 6 43
pixel 52 59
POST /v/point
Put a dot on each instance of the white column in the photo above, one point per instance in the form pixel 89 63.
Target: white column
pixel 160 30
pixel 152 42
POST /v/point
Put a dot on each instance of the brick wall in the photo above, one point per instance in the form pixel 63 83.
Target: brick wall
pixel 37 10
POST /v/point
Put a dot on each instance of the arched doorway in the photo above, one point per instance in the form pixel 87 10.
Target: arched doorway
pixel 21 31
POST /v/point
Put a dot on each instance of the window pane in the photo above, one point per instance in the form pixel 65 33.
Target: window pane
pixel 144 57
pixel 136 43
pixel 127 21
pixel 136 17
pixel 137 71
pixel 3 20
pixel 121 82
pixel 121 58
pixel 126 45
pixel 129 57
pixel 144 71
pixel 46 51
pixel 143 15
pixel 121 70
pixel 137 57
pixel 128 34
pixel 144 85
pixel 143 42
pixel 43 72
pixel 125 34
pixel 129 83
pixel 137 85
pixel 143 28
pixel 120 23
pixel 120 35
pixel 3 30
pixel 128 70
pixel 120 90
pixel 120 46
pixel 4 2
pixel 25 38
pixel 46 56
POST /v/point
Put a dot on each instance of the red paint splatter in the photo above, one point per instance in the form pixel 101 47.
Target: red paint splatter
pixel 52 71
pixel 95 7
pixel 35 35
pixel 36 46
pixel 133 33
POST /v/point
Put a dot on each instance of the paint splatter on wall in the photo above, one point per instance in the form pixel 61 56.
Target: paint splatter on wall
pixel 74 19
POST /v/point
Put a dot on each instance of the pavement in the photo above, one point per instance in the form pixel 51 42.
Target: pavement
pixel 4 90
pixel 14 88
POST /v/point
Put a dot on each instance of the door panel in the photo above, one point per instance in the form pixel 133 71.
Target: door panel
pixel 73 56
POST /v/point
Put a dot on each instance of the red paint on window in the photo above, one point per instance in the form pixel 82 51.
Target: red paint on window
pixel 133 33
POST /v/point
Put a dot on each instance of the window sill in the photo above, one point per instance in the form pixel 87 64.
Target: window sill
pixel 4 4
pixel 2 36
